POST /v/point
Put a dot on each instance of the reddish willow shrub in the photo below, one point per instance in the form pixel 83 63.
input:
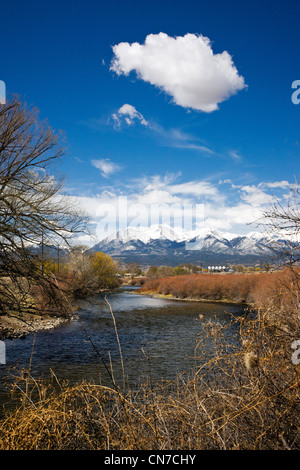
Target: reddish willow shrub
pixel 280 287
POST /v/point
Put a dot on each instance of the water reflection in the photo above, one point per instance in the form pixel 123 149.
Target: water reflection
pixel 153 332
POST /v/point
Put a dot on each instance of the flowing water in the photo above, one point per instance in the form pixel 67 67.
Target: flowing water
pixel 156 336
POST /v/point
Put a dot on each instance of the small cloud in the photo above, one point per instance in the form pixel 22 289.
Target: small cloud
pixel 255 196
pixel 181 140
pixel 106 167
pixel 184 67
pixel 277 184
pixel 195 188
pixel 234 155
pixel 157 182
pixel 129 114
pixel 226 181
pixel 197 147
pixel 173 137
pixel 157 196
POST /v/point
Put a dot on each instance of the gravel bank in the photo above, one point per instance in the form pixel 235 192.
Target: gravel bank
pixel 12 327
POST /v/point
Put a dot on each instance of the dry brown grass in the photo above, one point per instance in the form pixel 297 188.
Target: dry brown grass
pixel 247 397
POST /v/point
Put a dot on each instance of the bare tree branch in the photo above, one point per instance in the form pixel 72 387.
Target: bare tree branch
pixel 32 207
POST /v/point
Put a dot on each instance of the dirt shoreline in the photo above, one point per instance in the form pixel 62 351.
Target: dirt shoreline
pixel 189 299
pixel 12 327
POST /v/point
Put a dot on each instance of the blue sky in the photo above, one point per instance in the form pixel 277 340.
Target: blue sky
pixel 178 119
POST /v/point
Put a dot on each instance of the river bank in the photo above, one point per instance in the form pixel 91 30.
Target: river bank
pixel 189 299
pixel 14 327
pixel 248 289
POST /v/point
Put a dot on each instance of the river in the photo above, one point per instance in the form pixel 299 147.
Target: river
pixel 156 336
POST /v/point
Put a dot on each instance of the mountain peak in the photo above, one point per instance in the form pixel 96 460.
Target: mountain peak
pixel 162 244
pixel 165 232
pixel 146 234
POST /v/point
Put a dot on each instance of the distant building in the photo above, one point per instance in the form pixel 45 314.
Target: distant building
pixel 216 269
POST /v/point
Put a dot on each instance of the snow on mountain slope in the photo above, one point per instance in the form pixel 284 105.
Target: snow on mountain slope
pixel 165 232
pixel 258 236
pixel 145 234
pixel 162 244
pixel 250 246
pixel 211 240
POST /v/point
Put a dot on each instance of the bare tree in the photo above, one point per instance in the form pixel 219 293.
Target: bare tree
pixel 33 208
pixel 282 224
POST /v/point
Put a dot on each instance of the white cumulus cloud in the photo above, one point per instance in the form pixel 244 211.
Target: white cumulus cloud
pixel 161 199
pixel 130 114
pixel 255 196
pixel 184 67
pixel 277 184
pixel 106 166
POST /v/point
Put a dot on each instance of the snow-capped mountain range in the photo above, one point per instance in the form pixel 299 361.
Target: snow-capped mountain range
pixel 162 244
